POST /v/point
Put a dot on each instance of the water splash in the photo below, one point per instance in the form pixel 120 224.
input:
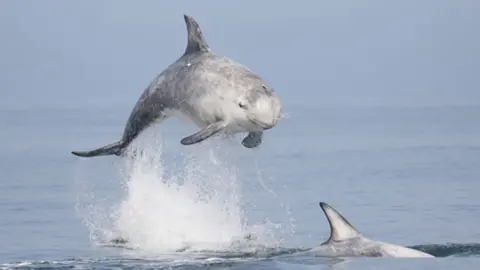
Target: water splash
pixel 199 207
pixel 196 203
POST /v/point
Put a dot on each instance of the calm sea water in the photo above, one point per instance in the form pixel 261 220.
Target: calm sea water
pixel 407 176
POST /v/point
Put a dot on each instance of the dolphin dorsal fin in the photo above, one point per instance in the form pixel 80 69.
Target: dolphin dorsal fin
pixel 196 40
pixel 340 228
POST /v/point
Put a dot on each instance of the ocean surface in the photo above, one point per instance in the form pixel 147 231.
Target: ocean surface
pixel 404 175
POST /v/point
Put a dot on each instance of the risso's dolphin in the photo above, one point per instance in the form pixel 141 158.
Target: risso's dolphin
pixel 213 92
pixel 346 241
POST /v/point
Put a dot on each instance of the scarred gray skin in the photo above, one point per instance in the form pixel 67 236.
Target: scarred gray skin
pixel 213 92
pixel 346 241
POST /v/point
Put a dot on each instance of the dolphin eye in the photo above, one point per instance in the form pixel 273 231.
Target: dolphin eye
pixel 242 105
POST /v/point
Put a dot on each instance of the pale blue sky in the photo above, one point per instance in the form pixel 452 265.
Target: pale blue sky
pixel 317 53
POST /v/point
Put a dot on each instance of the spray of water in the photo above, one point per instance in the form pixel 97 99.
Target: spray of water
pixel 193 208
pixel 195 204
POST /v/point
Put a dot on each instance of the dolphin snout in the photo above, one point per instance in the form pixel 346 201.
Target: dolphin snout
pixel 268 126
pixel 263 124
pixel 271 124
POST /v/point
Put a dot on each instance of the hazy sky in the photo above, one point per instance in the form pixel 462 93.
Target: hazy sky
pixel 317 53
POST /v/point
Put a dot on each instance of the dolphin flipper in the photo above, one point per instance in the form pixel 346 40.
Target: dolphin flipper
pixel 203 134
pixel 111 149
pixel 253 139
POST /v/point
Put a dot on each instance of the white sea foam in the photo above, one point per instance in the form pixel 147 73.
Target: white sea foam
pixel 196 203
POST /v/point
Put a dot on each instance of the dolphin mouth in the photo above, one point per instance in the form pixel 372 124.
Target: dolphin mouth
pixel 261 124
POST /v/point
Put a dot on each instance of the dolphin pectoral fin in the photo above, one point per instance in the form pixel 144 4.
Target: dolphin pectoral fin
pixel 111 149
pixel 203 134
pixel 253 139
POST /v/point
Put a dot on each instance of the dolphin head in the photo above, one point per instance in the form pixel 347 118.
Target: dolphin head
pixel 259 106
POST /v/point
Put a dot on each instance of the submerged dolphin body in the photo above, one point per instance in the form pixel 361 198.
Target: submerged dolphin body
pixel 345 240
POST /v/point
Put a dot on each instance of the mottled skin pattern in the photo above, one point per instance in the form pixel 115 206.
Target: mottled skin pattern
pixel 213 92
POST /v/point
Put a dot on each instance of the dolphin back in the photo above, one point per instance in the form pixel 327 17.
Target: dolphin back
pixel 397 251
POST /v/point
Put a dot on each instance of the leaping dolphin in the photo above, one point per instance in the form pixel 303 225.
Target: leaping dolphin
pixel 213 92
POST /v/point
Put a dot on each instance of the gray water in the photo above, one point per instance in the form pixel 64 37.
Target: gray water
pixel 381 121
pixel 403 175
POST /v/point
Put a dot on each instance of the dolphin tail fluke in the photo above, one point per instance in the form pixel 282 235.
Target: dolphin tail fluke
pixel 111 149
